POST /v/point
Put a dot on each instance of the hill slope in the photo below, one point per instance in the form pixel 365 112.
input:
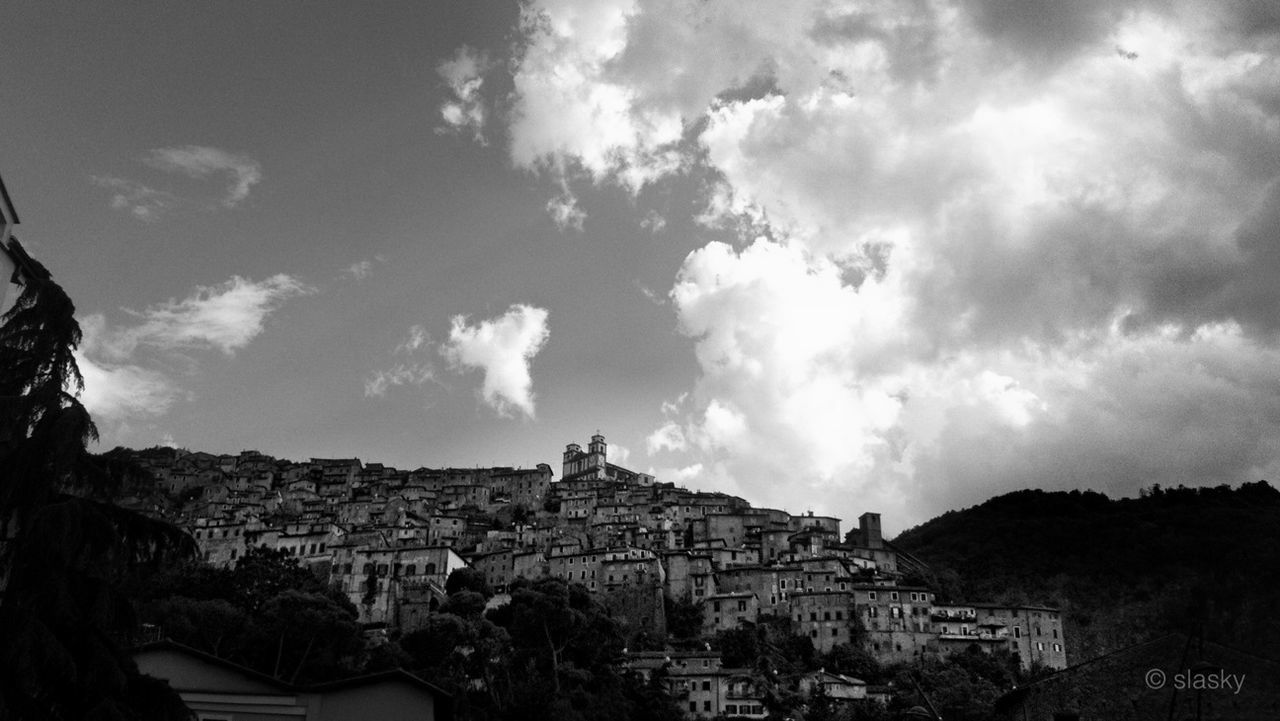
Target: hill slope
pixel 1123 571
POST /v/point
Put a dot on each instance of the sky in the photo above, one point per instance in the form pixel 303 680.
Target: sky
pixel 893 256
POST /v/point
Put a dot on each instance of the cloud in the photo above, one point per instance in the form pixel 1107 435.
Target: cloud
pixel 565 211
pixel 142 202
pixel 119 385
pixel 198 161
pixel 118 392
pixel 464 75
pixel 502 348
pixel 618 454
pixel 414 370
pixel 979 249
pixel 225 317
pixel 359 270
pixel 194 161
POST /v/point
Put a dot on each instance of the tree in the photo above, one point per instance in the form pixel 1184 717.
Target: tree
pixel 468 579
pixel 269 613
pixel 684 617
pixel 63 547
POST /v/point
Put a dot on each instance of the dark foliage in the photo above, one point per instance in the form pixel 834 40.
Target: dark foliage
pixel 684 617
pixel 63 548
pixel 1123 570
pixel 550 653
pixel 268 613
pixel 468 579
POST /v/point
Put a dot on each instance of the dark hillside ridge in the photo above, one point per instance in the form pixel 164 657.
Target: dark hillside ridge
pixel 1124 570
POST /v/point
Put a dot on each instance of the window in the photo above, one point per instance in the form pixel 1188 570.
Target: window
pixel 693 706
pixel 715 605
pixel 706 685
pixel 835 632
pixel 839 615
pixel 706 705
pixel 1057 647
pixel 1040 645
pixel 1055 633
pixel 813 615
pixel 814 633
pixel 871 595
pixel 731 708
pixel 826 615
pixel 1017 632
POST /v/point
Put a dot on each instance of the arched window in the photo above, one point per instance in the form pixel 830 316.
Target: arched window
pixel 411 569
pixel 431 569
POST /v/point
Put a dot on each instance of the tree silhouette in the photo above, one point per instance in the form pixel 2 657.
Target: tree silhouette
pixel 63 547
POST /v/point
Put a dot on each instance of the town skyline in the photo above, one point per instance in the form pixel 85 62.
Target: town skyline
pixel 903 258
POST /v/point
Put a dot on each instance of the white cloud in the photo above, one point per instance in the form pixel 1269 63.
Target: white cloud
pixel 464 74
pixel 670 437
pixel 565 211
pixel 198 161
pixel 225 316
pixel 144 203
pixel 414 370
pixel 119 386
pixel 359 270
pixel 618 454
pixel 401 374
pixel 967 234
pixel 117 392
pixel 502 348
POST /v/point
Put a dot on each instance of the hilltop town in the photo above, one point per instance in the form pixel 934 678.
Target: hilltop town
pixel 390 538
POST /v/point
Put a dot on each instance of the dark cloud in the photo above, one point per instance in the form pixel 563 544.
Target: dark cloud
pixel 1046 32
pixel 910 41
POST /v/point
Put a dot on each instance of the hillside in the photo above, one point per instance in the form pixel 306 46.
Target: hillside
pixel 1124 570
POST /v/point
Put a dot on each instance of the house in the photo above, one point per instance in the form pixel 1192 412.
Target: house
pixel 219 690
pixel 834 686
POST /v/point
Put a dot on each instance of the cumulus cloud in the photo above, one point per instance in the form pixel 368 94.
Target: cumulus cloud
pixel 199 161
pixel 981 248
pixel 502 348
pixel 464 76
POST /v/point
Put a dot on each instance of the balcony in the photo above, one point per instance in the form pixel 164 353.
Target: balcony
pixel 984 636
pixel 939 614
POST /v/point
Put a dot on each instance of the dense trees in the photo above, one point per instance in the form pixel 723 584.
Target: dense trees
pixel 63 548
pixel 1124 570
pixel 548 653
pixel 268 613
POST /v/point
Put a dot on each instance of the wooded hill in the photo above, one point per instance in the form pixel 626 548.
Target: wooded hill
pixel 1122 570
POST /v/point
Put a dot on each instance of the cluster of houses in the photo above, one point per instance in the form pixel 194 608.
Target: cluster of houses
pixel 389 538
